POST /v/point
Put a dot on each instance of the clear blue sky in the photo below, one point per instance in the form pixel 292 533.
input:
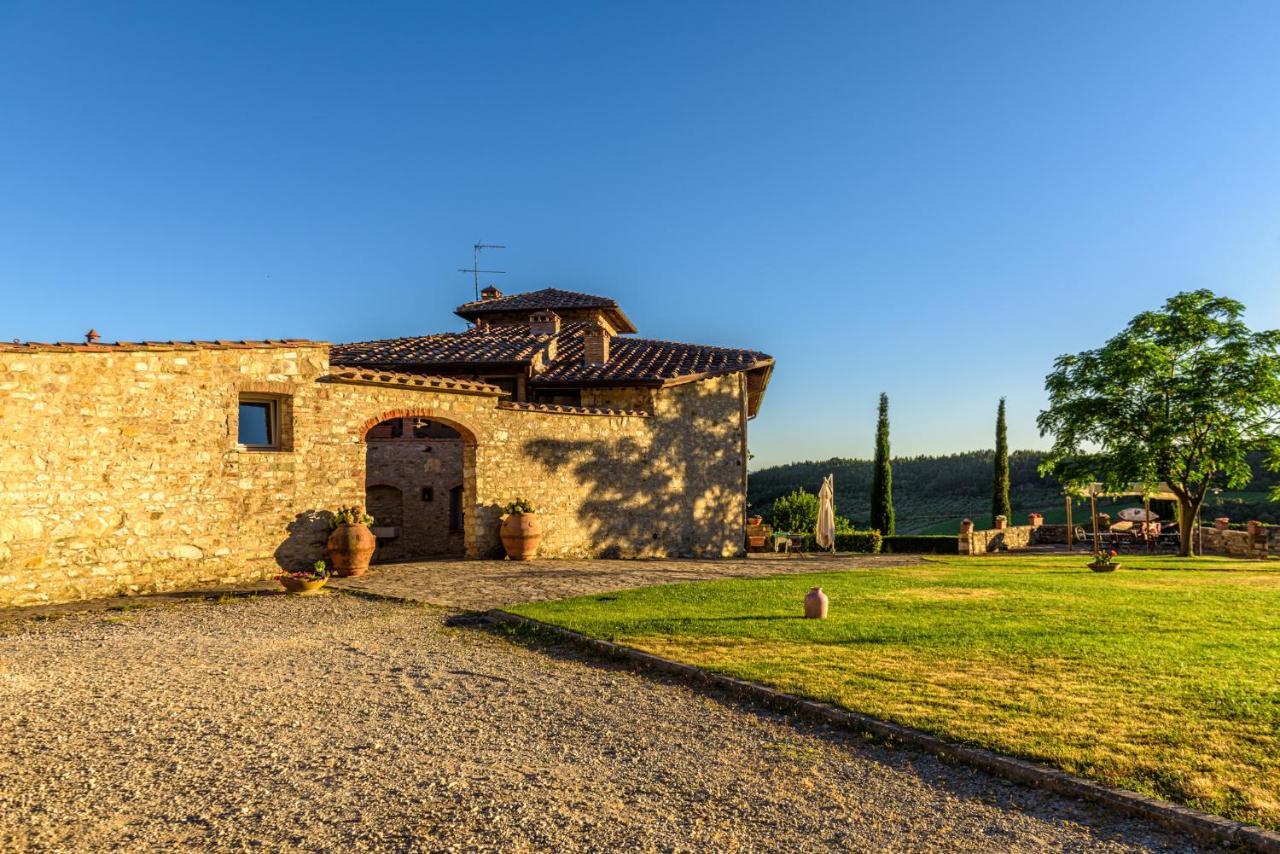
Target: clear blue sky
pixel 933 200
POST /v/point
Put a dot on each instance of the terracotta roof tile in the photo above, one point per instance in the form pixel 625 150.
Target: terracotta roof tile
pixel 422 381
pixel 640 360
pixel 120 346
pixel 552 298
pixel 570 410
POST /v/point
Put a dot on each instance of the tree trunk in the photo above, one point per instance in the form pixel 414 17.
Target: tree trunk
pixel 1188 521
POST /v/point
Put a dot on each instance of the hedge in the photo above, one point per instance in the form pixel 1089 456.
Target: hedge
pixel 930 544
pixel 862 542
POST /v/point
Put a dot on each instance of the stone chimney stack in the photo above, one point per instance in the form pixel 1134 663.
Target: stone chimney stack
pixel 595 345
pixel 545 322
pixel 490 292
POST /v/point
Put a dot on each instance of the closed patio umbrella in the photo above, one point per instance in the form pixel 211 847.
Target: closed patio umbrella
pixel 826 532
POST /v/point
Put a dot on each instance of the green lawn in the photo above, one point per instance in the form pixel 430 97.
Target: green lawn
pixel 1159 681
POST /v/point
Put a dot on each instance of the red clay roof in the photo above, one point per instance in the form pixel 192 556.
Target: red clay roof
pixel 641 361
pixel 553 299
pixel 500 344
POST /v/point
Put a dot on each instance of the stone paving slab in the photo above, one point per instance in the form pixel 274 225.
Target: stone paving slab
pixel 477 585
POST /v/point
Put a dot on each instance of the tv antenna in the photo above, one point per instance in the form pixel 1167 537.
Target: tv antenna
pixel 474 269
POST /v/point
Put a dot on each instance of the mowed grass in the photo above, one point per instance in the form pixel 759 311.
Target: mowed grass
pixel 1166 682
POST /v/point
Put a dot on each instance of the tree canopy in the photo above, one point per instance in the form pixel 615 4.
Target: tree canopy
pixel 1181 396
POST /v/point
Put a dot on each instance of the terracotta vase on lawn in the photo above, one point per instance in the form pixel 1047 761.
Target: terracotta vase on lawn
pixel 521 533
pixel 350 549
pixel 815 604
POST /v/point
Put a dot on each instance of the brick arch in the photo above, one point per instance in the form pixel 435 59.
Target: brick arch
pixel 466 473
pixel 468 435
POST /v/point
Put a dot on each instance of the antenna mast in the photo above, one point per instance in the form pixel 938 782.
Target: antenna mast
pixel 474 269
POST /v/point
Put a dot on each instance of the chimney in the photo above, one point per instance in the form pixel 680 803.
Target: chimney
pixel 489 293
pixel 545 322
pixel 91 337
pixel 595 345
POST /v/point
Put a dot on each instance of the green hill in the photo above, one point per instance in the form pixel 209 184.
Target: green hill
pixel 932 494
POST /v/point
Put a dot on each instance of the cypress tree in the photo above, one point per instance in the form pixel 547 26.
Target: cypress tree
pixel 882 475
pixel 1000 485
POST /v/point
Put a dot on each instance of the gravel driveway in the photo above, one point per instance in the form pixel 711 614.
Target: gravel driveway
pixel 339 723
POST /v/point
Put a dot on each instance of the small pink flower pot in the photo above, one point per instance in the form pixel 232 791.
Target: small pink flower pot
pixel 815 604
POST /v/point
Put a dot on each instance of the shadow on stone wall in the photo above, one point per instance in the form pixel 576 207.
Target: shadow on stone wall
pixel 682 498
pixel 305 542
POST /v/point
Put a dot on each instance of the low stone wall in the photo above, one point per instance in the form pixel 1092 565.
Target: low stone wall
pixel 1012 539
pixel 1242 544
pixel 1050 535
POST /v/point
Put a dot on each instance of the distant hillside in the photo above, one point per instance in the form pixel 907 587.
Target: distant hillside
pixel 932 494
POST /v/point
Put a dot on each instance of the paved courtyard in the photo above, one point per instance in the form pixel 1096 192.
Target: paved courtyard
pixel 482 584
pixel 341 723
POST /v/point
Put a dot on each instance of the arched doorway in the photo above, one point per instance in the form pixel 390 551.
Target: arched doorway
pixel 414 488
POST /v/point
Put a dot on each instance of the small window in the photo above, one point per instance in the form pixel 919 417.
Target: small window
pixel 259 422
pixel 428 493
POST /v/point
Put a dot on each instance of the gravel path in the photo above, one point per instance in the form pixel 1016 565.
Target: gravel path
pixel 339 723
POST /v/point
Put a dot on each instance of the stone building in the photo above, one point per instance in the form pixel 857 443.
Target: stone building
pixel 134 467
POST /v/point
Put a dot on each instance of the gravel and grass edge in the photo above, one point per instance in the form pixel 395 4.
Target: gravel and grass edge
pixel 1202 825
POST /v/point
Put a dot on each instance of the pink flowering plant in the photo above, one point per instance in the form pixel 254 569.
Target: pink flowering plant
pixel 318 572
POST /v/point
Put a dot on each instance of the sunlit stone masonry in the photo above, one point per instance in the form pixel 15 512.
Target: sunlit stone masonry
pixel 134 467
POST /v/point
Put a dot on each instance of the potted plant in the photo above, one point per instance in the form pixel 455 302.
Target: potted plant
pixel 351 543
pixel 966 527
pixel 755 520
pixel 305 580
pixel 1002 522
pixel 1104 562
pixel 521 531
pixel 1036 519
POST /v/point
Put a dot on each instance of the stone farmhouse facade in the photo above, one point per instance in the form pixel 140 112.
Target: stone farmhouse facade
pixel 135 467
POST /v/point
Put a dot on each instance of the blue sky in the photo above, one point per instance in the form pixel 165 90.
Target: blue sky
pixel 930 199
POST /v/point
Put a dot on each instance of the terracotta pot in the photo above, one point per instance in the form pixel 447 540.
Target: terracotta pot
pixel 1222 523
pixel 755 520
pixel 350 549
pixel 302 585
pixel 1104 567
pixel 521 533
pixel 815 604
pixel 1256 529
pixel 1036 520
pixel 1001 524
pixel 966 527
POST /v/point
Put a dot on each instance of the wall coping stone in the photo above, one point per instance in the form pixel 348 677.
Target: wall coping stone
pixel 559 409
pixel 119 346
pixel 423 382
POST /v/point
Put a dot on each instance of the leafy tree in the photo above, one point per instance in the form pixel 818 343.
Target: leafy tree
pixel 882 475
pixel 796 513
pixel 1179 397
pixel 1000 486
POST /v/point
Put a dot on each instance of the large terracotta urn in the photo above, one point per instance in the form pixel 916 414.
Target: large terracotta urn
pixel 350 549
pixel 521 533
pixel 815 604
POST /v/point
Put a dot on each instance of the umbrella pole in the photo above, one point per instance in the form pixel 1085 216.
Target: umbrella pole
pixel 1093 508
pixel 1070 530
pixel 1146 521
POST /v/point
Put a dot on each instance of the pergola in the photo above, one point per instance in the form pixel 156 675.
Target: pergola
pixel 1160 492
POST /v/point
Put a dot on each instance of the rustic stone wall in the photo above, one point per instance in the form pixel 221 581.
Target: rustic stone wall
pixel 120 471
pixel 1234 543
pixel 1013 538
